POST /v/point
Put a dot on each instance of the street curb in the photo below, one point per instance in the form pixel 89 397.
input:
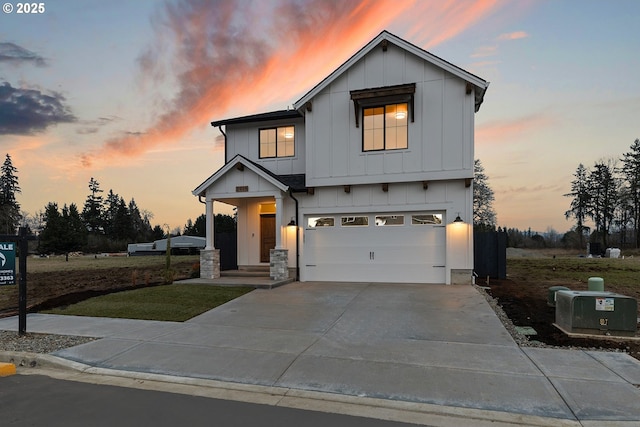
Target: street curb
pixel 390 410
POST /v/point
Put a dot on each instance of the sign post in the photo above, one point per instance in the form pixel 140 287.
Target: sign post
pixel 8 270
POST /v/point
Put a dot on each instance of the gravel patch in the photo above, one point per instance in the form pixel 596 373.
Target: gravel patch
pixel 38 343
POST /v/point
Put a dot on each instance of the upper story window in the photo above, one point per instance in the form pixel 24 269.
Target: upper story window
pixel 386 112
pixel 385 128
pixel 277 142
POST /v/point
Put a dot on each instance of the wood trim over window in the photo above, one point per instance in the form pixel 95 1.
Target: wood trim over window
pixel 387 94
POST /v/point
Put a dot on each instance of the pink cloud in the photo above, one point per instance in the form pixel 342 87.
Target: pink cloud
pixel 500 131
pixel 484 51
pixel 230 55
pixel 513 36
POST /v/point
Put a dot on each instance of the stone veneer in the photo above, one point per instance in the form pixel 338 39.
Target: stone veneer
pixel 210 264
pixel 279 264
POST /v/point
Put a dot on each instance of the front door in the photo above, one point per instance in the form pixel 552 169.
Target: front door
pixel 267 236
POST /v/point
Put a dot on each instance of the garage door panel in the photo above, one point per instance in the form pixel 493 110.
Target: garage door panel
pixel 407 253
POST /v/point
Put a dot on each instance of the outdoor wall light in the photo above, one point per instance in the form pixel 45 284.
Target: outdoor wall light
pixel 292 223
pixel 458 219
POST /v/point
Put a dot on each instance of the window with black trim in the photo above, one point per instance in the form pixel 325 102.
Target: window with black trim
pixel 385 127
pixel 277 142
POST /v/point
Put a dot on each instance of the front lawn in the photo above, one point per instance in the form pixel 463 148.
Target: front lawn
pixel 176 302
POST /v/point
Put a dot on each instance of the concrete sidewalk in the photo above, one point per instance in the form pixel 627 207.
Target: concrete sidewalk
pixel 435 345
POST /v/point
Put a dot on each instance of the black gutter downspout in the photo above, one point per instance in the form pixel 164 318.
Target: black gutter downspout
pixel 297 237
pixel 225 143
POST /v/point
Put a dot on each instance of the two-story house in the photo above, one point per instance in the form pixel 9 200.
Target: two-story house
pixel 368 178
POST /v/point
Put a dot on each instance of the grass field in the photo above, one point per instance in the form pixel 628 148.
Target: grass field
pixel 177 302
pixel 555 267
pixel 36 264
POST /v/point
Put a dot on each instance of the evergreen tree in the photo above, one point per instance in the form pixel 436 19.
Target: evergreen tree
pixel 484 216
pixel 111 204
pixel 157 233
pixel 631 172
pixel 9 208
pixel 74 232
pixel 92 213
pixel 50 241
pixel 603 199
pixel 579 208
pixel 122 226
pixel 139 222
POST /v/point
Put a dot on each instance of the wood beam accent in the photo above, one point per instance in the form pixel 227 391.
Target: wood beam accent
pixel 347 189
pixel 385 45
pixel 469 88
pixel 240 167
pixel 308 106
pixel 311 191
pixel 385 187
pixel 425 185
pixel 467 182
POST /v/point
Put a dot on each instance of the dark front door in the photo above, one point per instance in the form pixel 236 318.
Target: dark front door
pixel 267 236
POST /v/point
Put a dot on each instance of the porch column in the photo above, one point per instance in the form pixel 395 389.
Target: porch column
pixel 211 226
pixel 210 256
pixel 278 257
pixel 279 209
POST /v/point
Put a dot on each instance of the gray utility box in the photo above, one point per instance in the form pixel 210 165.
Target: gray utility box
pixel 594 312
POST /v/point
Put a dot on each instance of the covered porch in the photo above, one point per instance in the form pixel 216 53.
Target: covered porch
pixel 265 213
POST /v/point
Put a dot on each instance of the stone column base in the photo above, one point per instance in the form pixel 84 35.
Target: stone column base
pixel 279 264
pixel 461 276
pixel 210 263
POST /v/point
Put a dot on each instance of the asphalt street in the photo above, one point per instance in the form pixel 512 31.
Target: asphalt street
pixel 35 400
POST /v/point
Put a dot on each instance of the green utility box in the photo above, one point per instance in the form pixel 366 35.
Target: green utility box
pixel 551 296
pixel 599 313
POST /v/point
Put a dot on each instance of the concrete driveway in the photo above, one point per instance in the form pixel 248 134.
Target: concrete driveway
pixel 433 344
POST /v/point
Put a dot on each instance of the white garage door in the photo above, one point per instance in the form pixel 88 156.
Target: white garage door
pixel 407 248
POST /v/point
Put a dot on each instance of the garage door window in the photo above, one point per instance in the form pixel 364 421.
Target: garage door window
pixel 355 221
pixel 426 219
pixel 384 220
pixel 325 221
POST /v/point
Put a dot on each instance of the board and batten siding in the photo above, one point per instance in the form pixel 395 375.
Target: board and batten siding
pixel 440 138
pixel 243 139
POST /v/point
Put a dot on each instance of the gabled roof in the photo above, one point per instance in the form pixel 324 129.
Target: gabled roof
pixel 481 85
pixel 283 183
pixel 262 117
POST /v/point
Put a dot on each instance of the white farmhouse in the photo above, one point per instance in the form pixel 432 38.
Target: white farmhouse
pixel 368 178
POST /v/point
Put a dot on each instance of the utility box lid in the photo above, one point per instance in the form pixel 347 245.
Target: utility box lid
pixel 594 312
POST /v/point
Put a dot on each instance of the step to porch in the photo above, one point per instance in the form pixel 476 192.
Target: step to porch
pixel 248 271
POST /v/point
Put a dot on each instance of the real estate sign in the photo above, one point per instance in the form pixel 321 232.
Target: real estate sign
pixel 7 263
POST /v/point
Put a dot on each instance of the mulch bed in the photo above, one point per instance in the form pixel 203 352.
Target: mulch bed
pixel 526 305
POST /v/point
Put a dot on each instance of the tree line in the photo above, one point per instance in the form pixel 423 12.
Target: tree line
pixel 608 195
pixel 104 224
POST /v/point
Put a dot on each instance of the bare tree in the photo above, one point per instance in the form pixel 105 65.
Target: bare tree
pixel 484 216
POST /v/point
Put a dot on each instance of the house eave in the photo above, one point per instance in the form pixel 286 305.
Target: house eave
pixel 261 117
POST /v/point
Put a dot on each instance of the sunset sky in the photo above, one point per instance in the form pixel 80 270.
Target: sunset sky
pixel 124 91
